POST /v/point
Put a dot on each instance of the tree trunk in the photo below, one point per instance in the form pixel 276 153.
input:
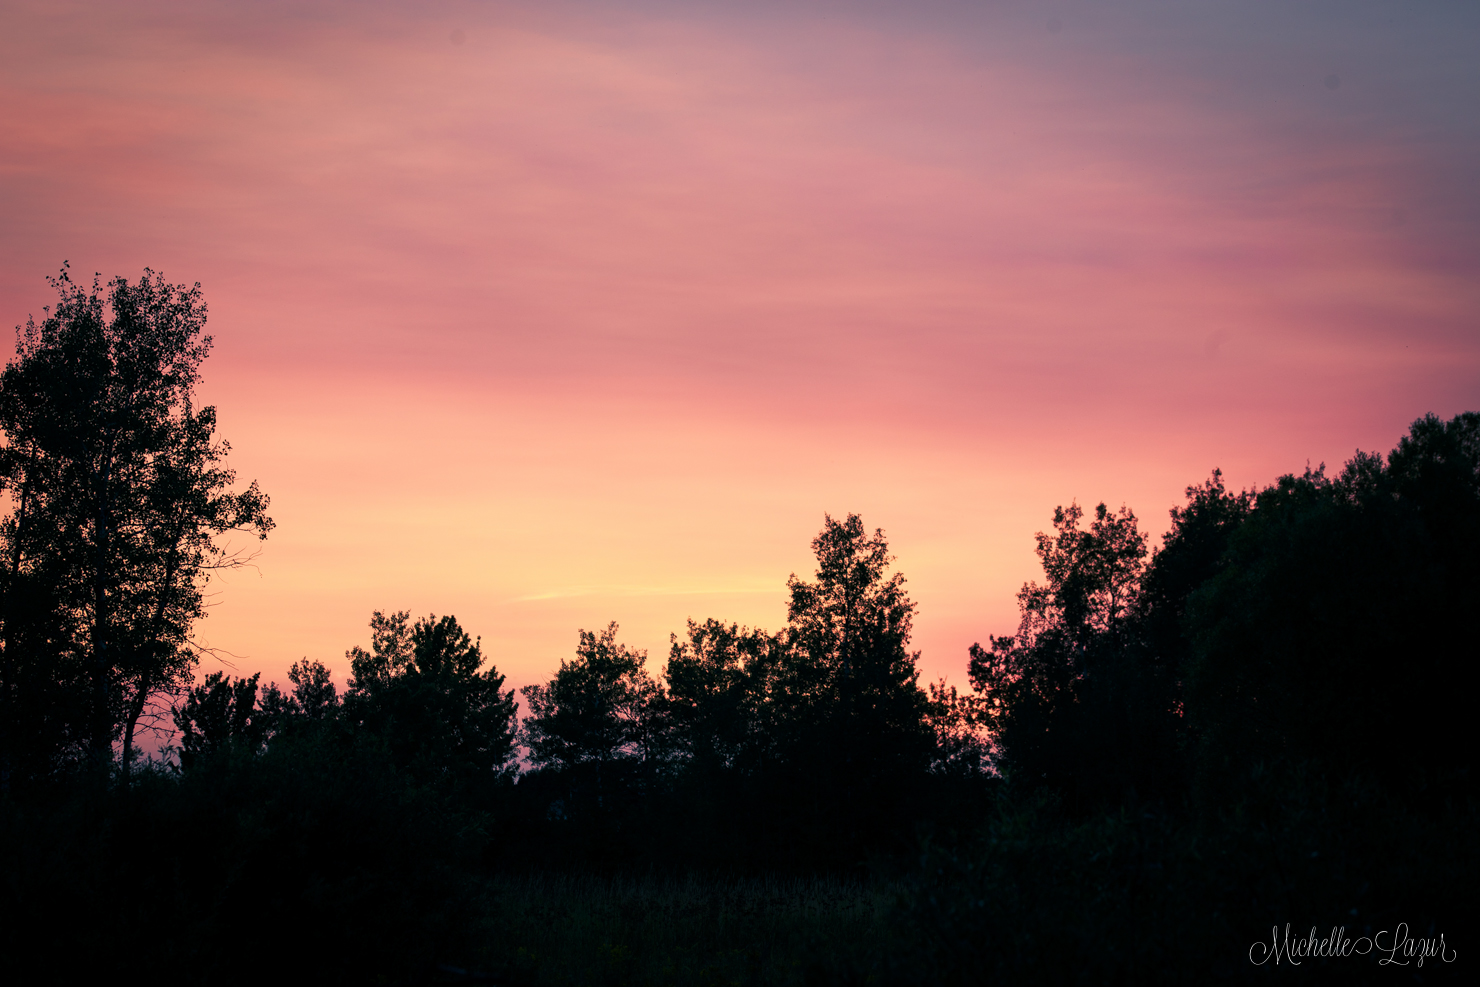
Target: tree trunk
pixel 102 730
pixel 146 676
pixel 135 710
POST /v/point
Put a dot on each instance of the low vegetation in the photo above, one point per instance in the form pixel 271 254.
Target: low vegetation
pixel 558 928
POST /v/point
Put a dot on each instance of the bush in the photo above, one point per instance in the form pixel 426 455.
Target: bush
pixel 1145 895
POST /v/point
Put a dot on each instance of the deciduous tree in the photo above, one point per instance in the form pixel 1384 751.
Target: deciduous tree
pixel 849 666
pixel 220 716
pixel 596 716
pixel 423 689
pixel 118 496
pixel 1035 685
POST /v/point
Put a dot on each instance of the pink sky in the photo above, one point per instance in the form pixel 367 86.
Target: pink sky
pixel 547 315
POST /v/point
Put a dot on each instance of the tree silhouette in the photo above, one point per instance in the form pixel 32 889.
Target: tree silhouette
pixel 118 494
pixel 1192 552
pixel 1035 685
pixel 594 721
pixel 850 722
pixel 848 632
pixel 314 696
pixel 1093 576
pixel 1338 626
pixel 422 691
pixel 220 716
pixel 717 684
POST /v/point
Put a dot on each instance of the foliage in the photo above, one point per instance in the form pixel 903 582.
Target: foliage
pixel 1046 690
pixel 420 690
pixel 594 714
pixel 118 494
pixel 717 682
pixel 1313 620
pixel 219 716
pixel 1338 624
pixel 1093 576
pixel 313 859
pixel 849 683
pixel 314 698
pixel 1273 733
pixel 960 745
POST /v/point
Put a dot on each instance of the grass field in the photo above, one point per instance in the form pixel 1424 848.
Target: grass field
pixel 588 930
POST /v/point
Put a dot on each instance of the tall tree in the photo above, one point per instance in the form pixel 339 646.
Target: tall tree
pixel 717 682
pixel 1191 552
pixel 853 733
pixel 1093 576
pixel 849 632
pixel 118 497
pixel 218 716
pixel 1036 685
pixel 423 689
pixel 595 719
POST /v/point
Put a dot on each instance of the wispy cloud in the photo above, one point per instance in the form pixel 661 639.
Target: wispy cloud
pixel 637 290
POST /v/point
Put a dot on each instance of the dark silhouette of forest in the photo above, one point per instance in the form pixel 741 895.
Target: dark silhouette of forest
pixel 1261 722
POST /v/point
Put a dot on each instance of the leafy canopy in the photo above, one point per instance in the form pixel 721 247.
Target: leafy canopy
pixel 117 497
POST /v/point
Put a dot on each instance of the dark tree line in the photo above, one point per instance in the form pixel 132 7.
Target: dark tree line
pixel 1310 625
pixel 808 748
pixel 1322 620
pixel 807 742
pixel 1262 720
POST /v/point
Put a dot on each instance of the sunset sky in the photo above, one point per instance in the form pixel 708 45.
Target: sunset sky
pixel 550 314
